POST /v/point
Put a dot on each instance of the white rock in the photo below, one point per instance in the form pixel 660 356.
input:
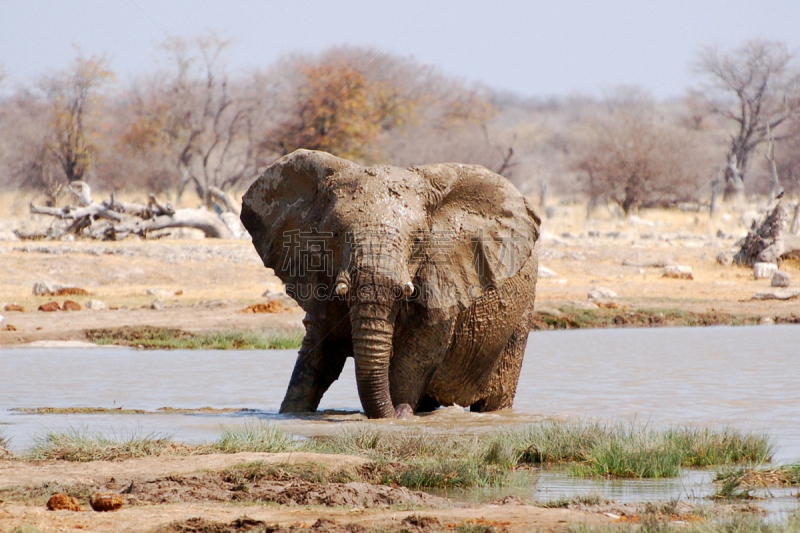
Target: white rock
pixel 777 294
pixel 637 221
pixel 583 304
pixel 781 279
pixel 545 272
pixel 157 305
pixel 159 292
pixel 725 258
pixel 44 288
pixel 601 293
pixel 764 270
pixel 96 305
pixel 549 311
pixel 767 321
pixel 678 272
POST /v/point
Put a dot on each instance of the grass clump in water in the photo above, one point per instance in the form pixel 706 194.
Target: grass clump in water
pixel 79 446
pixel 625 450
pixel 567 501
pixel 177 339
pixel 637 456
pixel 746 478
pixel 704 447
pixel 454 473
pixel 253 438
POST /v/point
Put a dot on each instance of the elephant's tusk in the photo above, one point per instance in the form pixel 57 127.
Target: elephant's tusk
pixel 408 288
pixel 341 288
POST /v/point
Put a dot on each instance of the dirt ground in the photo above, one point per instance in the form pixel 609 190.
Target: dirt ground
pixel 172 493
pixel 204 284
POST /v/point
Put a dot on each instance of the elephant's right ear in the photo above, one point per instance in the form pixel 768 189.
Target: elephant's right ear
pixel 286 199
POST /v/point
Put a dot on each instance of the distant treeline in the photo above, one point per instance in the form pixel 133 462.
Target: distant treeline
pixel 195 125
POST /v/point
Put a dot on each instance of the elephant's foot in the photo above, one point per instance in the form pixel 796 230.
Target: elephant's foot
pixel 403 411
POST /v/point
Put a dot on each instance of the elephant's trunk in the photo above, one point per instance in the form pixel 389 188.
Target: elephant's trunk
pixel 372 349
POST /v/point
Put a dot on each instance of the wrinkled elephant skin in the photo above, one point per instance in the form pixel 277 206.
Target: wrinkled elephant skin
pixel 425 276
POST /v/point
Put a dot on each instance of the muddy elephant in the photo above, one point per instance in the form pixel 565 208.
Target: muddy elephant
pixel 425 276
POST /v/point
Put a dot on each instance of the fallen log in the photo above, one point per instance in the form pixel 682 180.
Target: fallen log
pixel 113 220
pixel 206 221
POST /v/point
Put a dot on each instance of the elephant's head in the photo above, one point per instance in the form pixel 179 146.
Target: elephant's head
pixel 433 237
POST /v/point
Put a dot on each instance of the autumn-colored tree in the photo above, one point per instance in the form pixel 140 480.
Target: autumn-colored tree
pixel 73 96
pixel 340 110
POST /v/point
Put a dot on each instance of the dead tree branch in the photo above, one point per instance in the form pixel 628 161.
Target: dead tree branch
pixel 113 220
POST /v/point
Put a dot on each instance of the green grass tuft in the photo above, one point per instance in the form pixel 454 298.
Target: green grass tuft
pixel 176 339
pixel 421 459
pixel 574 318
pixel 79 446
pixel 704 447
pixel 634 457
pixel 567 501
pixel 625 450
pixel 449 474
pixel 253 438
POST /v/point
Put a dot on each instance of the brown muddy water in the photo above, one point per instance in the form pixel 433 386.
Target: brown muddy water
pixel 742 377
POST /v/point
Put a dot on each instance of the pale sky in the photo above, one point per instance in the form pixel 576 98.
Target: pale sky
pixel 534 48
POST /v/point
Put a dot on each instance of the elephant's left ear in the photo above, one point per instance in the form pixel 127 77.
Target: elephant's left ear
pixel 482 231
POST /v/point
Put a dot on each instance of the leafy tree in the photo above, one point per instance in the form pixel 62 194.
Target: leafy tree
pixel 340 110
pixel 73 97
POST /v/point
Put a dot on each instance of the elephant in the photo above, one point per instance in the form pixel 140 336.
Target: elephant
pixel 426 276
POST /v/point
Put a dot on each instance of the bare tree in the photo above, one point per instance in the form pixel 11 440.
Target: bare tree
pixel 755 86
pixel 196 118
pixel 634 158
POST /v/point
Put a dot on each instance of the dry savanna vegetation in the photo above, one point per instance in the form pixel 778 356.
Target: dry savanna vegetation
pixel 194 126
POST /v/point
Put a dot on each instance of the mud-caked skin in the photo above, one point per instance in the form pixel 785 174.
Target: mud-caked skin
pixel 425 276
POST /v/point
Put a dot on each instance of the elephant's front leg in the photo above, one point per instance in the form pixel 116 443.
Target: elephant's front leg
pixel 318 365
pixel 418 351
